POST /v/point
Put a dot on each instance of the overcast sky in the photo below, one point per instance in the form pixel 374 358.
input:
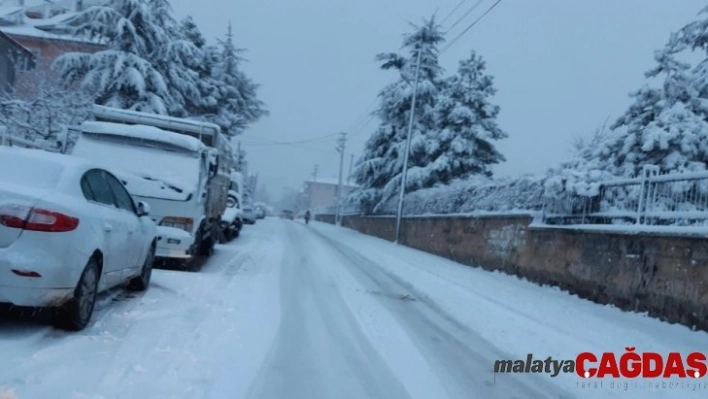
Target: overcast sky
pixel 562 67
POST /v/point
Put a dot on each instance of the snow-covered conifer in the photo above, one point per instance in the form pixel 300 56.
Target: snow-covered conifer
pixel 238 105
pixel 379 169
pixel 467 123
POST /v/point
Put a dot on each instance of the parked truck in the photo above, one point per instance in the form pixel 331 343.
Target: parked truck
pixel 180 167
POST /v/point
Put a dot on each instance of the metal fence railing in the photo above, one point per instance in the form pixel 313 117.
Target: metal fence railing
pixel 14 141
pixel 332 210
pixel 652 198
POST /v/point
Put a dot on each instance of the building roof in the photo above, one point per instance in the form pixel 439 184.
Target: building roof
pixel 9 13
pixel 14 20
pixel 13 42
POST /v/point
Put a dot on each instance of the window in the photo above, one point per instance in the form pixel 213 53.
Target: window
pixel 123 198
pixel 86 189
pixel 98 186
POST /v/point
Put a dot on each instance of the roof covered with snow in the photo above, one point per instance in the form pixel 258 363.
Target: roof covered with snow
pixel 10 11
pixel 111 114
pixel 14 19
pixel 143 132
pixel 14 43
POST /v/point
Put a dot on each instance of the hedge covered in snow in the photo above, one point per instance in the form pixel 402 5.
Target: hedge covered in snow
pixel 472 195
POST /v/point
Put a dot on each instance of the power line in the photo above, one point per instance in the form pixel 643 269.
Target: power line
pixel 275 142
pixel 251 144
pixel 453 11
pixel 357 126
pixel 450 44
pixel 474 7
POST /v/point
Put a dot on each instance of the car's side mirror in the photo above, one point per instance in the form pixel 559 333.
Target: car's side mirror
pixel 143 209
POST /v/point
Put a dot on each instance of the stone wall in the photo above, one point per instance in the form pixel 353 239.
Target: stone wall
pixel 666 276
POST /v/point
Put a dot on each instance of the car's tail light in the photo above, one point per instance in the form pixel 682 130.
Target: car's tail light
pixel 181 223
pixel 36 219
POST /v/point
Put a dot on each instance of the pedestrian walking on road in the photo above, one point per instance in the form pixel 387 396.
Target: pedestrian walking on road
pixel 307 216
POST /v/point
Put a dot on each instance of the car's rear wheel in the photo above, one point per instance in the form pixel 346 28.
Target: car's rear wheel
pixel 76 313
pixel 142 282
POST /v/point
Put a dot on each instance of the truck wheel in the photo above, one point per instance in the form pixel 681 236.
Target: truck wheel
pixel 206 246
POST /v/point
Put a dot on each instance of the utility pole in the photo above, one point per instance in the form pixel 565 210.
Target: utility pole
pixel 314 173
pixel 408 147
pixel 340 149
pixel 311 188
pixel 238 156
pixel 351 168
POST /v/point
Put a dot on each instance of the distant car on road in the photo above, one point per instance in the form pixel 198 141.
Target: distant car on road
pixel 260 211
pixel 248 215
pixel 68 231
pixel 287 214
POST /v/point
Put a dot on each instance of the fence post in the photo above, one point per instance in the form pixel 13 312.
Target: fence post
pixel 642 188
pixel 647 172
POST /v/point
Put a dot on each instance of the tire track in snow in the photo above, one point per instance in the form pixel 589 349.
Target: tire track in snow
pixel 320 351
pixel 463 359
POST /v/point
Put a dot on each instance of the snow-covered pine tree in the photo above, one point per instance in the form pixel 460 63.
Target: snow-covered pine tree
pixel 237 103
pixel 467 123
pixel 379 170
pixel 203 66
pixel 192 32
pixel 179 60
pixel 667 126
pixel 150 64
pixel 122 76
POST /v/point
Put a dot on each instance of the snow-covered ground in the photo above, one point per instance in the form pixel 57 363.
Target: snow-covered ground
pixel 290 310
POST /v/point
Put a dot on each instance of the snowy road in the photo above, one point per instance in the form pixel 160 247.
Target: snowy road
pixel 295 311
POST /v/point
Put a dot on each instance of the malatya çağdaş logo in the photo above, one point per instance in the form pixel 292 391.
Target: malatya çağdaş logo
pixel 608 365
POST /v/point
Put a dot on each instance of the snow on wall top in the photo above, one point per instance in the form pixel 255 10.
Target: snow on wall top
pixel 331 181
pixel 143 132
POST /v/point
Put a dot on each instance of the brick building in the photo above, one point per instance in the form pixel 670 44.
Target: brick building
pixel 40 26
pixel 13 56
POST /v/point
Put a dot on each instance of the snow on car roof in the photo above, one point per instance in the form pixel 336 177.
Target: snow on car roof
pixel 143 132
pixel 36 168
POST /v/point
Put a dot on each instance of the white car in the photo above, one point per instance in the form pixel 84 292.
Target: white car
pixel 68 231
pixel 248 215
pixel 173 243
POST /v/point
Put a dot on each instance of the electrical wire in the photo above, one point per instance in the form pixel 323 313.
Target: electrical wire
pixel 310 140
pixel 362 120
pixel 450 44
pixel 453 11
pixel 474 7
pixel 366 116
